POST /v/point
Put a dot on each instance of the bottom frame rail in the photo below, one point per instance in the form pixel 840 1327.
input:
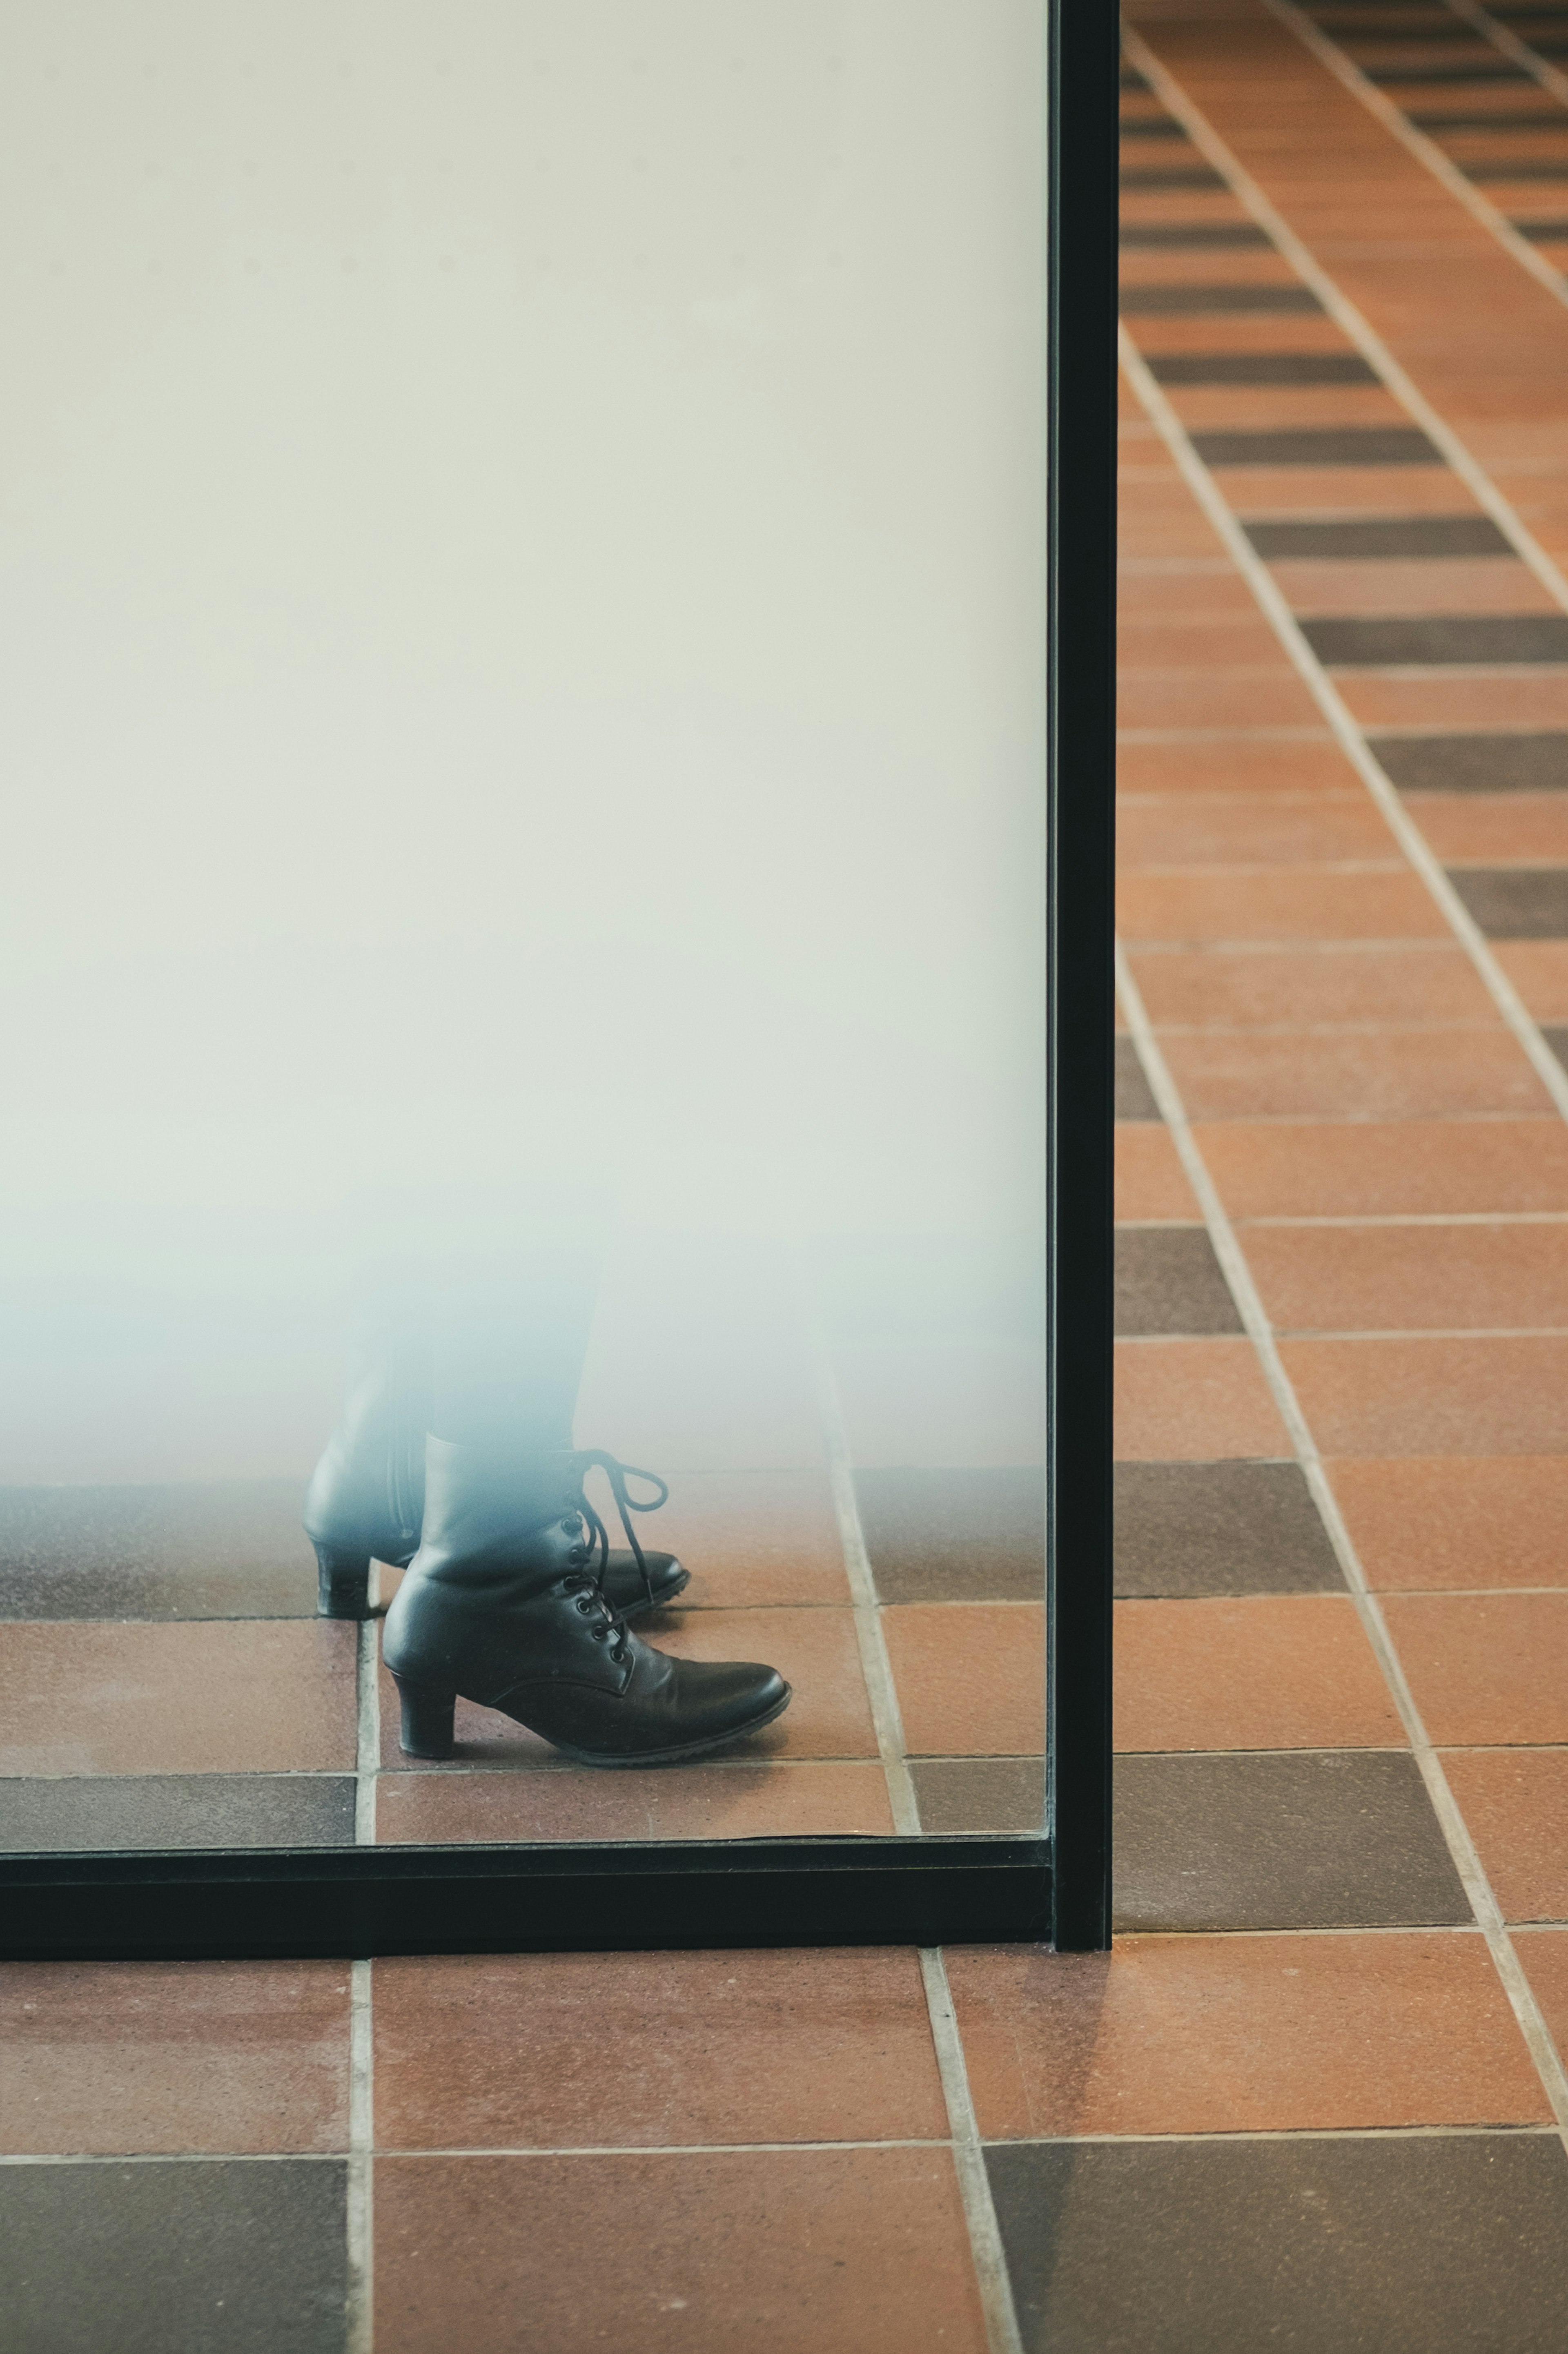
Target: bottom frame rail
pixel 358 1902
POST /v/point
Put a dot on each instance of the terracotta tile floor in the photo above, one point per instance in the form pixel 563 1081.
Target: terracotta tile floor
pixel 1313 2096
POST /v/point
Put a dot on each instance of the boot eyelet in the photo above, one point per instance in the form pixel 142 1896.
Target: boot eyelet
pixel 585 1607
pixel 572 1526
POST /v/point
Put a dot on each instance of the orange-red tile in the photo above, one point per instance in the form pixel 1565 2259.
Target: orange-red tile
pixel 1411 1279
pixel 1460 700
pixel 1193 1401
pixel 1477 1395
pixel 1257 2034
pixel 800 2250
pixel 1515 1805
pixel 505 2051
pixel 1457 1521
pixel 1539 971
pixel 1268 697
pixel 1369 1169
pixel 1275 1672
pixel 1278 903
pixel 1151 1183
pixel 1493 829
pixel 1484 1669
pixel 191 1696
pixel 970 1677
pixel 1236 765
pixel 109 2057
pixel 1256 490
pixel 1409 584
pixel 1239 988
pixel 1388 1075
pixel 1194 830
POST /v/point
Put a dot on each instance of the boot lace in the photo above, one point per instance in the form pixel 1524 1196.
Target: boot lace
pixel 618 1474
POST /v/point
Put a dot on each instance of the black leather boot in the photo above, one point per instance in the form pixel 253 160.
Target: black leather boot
pixel 504 1605
pixel 367 1497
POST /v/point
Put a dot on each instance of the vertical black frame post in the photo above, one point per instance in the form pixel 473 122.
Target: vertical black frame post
pixel 1083 67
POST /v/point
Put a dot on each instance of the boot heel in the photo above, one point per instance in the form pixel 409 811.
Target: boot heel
pixel 342 1582
pixel 428 1714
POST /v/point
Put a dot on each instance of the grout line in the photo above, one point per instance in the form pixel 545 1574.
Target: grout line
pixel 1461 1848
pixel 969 2161
pixel 360 2215
pixel 877 1668
pixel 1506 998
pixel 1367 340
pixel 1539 68
pixel 367 1752
pixel 1426 151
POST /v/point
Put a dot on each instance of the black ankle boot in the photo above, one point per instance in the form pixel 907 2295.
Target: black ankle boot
pixel 504 1605
pixel 367 1497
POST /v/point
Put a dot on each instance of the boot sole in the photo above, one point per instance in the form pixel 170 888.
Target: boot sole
pixel 686 1748
pixel 661 1601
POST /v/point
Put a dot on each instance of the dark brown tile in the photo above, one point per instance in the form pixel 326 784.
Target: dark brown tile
pixel 103 2057
pixel 1134 1098
pixel 505 2052
pixel 804 2252
pixel 174 2258
pixel 1304 1840
pixel 957 1535
pixel 1516 903
pixel 1168 1280
pixel 1259 368
pixel 1344 445
pixel 1481 637
pixel 212 1549
pixel 1494 763
pixel 1317 2244
pixel 1213 301
pixel 81 1813
pixel 1364 537
pixel 204 1696
pixel 1186 1529
pixel 974 1795
pixel 1270 2034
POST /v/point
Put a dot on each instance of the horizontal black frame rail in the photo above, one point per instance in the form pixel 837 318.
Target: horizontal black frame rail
pixel 356 1903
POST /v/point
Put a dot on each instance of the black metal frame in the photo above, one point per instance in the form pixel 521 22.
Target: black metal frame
pixel 905 1890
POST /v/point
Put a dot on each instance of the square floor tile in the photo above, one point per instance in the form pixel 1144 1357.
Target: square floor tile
pixel 1194 1400
pixel 244 2255
pixel 752 1537
pixel 1134 1096
pixel 1196 2034
pixel 815 1650
pixel 1493 829
pixel 1379 1278
pixel 209 1549
pixel 175 1810
pixel 506 2052
pixel 1378 1168
pixel 969 1676
pixel 1318 2245
pixel 104 2057
pixel 1219 1527
pixel 1391 1074
pixel 1227 830
pixel 804 2251
pixel 1357 981
pixel 1485 1669
pixel 1495 763
pixel 1545 1952
pixel 1478 1395
pixel 1448 1521
pixel 1281 904
pixel 955 1536
pixel 777 1799
pixel 1515 1805
pixel 1480 638
pixel 1279 1671
pixel 193 1697
pixel 975 1795
pixel 1168 1280
pixel 1151 1181
pixel 1539 971
pixel 1313 1840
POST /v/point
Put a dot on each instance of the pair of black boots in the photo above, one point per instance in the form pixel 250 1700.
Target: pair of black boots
pixel 513 1594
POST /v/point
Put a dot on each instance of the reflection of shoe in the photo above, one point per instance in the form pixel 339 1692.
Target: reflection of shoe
pixel 504 1605
pixel 367 1497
